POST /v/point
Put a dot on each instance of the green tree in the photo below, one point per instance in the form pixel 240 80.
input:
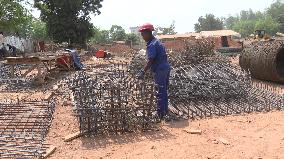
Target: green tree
pixel 117 33
pixel 166 31
pixel 245 27
pixel 248 21
pixel 231 21
pixel 96 35
pixel 105 37
pixel 132 39
pixel 68 20
pixel 14 18
pixel 247 15
pixel 100 36
pixel 276 11
pixel 39 30
pixel 207 23
pixel 269 24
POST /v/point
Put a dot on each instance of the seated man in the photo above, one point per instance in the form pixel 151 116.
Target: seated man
pixel 76 58
pixel 72 61
pixel 3 51
pixel 12 50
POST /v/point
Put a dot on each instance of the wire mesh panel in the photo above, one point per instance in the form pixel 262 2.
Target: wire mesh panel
pixel 24 126
pixel 211 86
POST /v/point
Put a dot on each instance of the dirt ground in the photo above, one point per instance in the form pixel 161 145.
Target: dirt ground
pixel 251 136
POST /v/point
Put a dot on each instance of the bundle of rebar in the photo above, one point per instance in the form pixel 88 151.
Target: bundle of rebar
pixel 24 126
pixel 207 87
pixel 202 84
pixel 15 83
pixel 113 102
pixel 211 80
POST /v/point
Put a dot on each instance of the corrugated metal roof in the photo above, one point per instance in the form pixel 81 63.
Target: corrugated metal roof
pixel 218 33
pixel 188 35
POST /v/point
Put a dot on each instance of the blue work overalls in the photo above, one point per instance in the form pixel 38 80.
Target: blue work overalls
pixel 161 70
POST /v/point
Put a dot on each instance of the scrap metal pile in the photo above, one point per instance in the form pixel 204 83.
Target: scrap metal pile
pixel 112 100
pixel 202 84
pixel 23 127
pixel 202 87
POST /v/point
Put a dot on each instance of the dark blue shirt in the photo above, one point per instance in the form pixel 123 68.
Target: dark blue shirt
pixel 13 49
pixel 157 51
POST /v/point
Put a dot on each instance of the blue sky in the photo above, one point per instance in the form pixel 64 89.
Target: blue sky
pixel 185 13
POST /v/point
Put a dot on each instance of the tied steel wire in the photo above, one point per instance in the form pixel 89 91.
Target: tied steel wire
pixel 16 83
pixel 24 126
pixel 207 85
pixel 111 99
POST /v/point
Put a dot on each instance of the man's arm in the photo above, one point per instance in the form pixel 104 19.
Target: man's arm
pixel 148 65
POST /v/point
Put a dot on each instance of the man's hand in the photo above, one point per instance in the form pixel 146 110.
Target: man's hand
pixel 141 75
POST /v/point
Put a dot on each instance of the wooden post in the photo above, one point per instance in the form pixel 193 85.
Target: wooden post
pixel 12 71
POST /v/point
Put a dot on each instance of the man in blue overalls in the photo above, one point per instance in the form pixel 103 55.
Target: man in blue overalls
pixel 158 62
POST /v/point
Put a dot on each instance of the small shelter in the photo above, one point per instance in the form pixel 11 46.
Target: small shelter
pixel 223 38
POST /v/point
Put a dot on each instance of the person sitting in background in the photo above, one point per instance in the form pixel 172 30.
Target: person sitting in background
pixel 3 51
pixel 41 46
pixel 1 37
pixel 12 50
pixel 76 58
pixel 71 61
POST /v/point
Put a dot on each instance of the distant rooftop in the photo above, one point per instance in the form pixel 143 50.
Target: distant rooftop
pixel 175 36
pixel 218 33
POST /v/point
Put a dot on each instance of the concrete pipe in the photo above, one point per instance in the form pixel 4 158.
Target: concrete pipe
pixel 265 60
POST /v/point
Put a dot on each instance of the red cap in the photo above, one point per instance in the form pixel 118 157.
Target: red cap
pixel 146 26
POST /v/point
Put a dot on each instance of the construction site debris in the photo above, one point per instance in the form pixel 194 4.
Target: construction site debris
pixel 73 136
pixel 49 152
pixel 193 131
pixel 120 50
pixel 204 86
pixel 224 141
pixel 109 99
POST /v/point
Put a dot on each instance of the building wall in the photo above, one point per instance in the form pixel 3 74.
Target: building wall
pixel 232 43
pixel 20 43
pixel 178 44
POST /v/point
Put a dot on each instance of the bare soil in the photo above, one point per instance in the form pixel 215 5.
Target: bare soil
pixel 251 136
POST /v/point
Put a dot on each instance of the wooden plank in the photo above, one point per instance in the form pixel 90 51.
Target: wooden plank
pixel 193 131
pixel 12 71
pixel 48 58
pixel 22 60
pixel 73 136
pixel 49 152
pixel 49 95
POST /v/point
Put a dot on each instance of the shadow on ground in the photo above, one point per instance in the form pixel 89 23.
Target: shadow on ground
pixel 157 134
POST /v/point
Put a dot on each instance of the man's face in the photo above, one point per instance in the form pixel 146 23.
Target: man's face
pixel 146 36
